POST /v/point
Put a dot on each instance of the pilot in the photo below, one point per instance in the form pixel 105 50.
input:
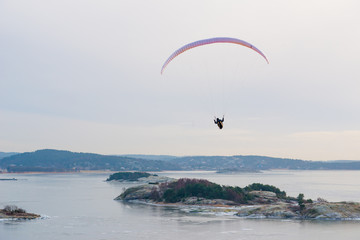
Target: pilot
pixel 219 122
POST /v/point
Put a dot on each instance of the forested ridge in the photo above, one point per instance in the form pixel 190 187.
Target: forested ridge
pixel 49 160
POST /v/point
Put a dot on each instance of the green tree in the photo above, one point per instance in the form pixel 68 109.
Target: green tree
pixel 301 201
pixel 170 196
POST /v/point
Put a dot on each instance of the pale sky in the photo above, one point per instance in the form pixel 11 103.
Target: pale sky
pixel 85 76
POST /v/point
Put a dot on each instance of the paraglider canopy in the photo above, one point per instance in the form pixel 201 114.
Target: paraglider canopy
pixel 210 41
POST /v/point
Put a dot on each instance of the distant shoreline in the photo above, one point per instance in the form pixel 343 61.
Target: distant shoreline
pixel 52 160
pixel 67 172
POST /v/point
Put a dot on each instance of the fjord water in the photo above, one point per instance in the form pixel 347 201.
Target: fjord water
pixel 81 206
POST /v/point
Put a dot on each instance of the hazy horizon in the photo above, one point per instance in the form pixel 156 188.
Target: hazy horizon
pixel 84 76
pixel 177 156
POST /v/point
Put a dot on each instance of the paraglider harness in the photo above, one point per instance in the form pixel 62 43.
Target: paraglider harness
pixel 219 122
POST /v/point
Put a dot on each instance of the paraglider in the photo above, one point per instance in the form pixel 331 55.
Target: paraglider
pixel 219 122
pixel 210 41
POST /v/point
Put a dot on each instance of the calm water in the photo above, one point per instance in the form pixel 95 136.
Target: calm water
pixel 81 206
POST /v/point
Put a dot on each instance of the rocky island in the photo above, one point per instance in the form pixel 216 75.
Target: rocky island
pixel 13 212
pixel 253 201
pixel 140 177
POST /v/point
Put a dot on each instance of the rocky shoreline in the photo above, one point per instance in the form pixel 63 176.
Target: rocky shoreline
pixel 312 211
pixel 264 204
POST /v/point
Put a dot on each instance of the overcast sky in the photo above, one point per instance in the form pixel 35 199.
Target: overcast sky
pixel 85 76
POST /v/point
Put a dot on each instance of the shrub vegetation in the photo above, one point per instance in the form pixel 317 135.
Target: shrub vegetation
pixel 12 209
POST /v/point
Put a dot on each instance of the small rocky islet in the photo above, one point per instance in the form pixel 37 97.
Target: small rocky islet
pixel 138 177
pixel 253 201
pixel 14 212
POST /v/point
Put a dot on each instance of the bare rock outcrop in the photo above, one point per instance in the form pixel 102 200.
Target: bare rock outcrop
pixel 141 192
pixel 332 210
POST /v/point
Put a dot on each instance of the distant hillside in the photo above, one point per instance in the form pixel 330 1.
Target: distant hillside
pixel 260 163
pixel 69 161
pixel 7 154
pixel 55 160
pixel 150 157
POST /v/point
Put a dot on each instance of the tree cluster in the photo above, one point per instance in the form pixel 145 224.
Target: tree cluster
pixel 183 188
